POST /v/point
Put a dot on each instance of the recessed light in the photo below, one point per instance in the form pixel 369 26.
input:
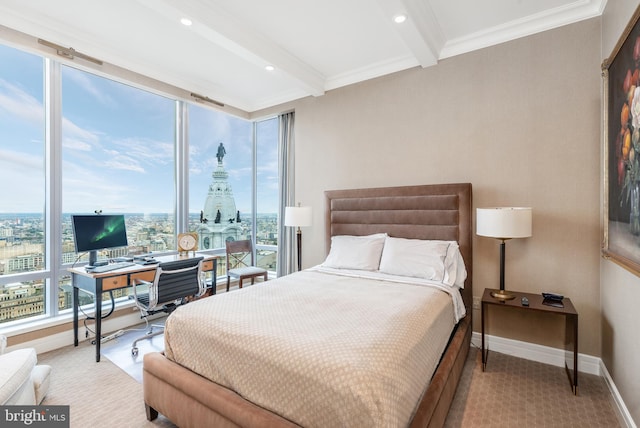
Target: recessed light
pixel 269 67
pixel 186 21
pixel 399 19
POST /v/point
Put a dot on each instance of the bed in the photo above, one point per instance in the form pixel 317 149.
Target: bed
pixel 179 387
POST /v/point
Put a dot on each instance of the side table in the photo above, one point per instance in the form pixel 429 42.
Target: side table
pixel 535 304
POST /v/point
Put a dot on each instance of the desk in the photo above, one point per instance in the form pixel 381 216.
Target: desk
pixel 535 304
pixel 98 283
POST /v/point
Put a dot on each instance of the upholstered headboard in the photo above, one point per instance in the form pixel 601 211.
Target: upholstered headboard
pixel 436 211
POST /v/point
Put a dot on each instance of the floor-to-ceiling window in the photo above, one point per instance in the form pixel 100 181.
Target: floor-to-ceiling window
pixel 220 178
pixel 114 148
pixel 23 290
pixel 118 156
pixel 230 197
pixel 266 138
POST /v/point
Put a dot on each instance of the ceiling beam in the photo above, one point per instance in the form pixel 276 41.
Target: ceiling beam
pixel 225 30
pixel 420 32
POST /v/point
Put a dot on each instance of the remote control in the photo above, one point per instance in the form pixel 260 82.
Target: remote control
pixel 525 301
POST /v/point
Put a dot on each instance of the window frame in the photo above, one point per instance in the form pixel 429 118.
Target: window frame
pixel 55 267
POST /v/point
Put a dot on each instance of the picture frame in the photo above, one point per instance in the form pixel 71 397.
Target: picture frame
pixel 621 82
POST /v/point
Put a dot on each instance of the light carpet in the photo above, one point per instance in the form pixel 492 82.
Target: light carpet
pixel 98 394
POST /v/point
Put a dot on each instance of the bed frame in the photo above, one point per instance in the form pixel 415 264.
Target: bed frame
pixel 441 211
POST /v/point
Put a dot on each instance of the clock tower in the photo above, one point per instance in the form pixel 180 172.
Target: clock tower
pixel 222 217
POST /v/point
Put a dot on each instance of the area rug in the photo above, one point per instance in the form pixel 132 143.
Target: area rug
pixel 118 351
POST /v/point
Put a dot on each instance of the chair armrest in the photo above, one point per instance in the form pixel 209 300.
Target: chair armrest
pixel 3 343
pixel 150 290
pixel 202 283
pixel 138 281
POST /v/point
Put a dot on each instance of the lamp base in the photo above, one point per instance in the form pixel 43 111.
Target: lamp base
pixel 502 295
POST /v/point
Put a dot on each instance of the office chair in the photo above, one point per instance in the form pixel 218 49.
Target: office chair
pixel 240 263
pixel 173 284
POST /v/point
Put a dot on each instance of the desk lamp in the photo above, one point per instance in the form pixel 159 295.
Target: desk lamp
pixel 503 223
pixel 298 217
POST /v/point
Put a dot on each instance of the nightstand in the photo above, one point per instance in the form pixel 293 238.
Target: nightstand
pixel 535 304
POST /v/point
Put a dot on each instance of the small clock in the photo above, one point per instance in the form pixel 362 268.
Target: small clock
pixel 187 242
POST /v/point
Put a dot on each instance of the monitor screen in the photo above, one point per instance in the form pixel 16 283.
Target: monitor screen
pixel 97 232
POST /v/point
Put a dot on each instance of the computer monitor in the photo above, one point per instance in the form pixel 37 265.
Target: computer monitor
pixel 98 232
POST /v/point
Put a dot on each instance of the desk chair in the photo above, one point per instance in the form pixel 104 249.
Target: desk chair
pixel 173 284
pixel 240 263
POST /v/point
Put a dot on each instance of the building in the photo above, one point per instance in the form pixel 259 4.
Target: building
pixel 220 219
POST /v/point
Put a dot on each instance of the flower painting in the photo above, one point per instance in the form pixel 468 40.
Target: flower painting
pixel 621 72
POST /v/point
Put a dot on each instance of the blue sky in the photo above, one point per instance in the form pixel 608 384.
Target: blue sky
pixel 118 145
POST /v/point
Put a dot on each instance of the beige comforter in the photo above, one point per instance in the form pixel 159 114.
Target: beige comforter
pixel 319 349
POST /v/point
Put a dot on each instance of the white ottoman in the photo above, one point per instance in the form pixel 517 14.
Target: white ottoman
pixel 40 376
pixel 16 387
pixel 22 382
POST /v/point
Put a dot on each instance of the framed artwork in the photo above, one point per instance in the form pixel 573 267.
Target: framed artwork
pixel 621 73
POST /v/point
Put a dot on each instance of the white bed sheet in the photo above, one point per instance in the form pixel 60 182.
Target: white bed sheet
pixel 458 304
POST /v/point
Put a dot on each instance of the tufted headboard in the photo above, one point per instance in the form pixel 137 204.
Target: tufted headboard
pixel 433 211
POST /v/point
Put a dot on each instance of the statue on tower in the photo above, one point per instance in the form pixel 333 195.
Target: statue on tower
pixel 221 153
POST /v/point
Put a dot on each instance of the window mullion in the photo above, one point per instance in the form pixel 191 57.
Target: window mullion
pixel 53 181
pixel 182 167
pixel 254 191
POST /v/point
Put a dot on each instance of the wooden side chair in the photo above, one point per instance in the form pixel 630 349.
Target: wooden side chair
pixel 240 263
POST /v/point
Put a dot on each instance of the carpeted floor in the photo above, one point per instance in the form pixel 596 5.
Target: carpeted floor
pixel 512 393
pixel 99 394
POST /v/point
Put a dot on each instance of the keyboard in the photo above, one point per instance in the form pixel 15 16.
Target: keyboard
pixel 110 267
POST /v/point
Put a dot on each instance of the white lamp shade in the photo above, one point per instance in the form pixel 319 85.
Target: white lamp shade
pixel 297 216
pixel 503 222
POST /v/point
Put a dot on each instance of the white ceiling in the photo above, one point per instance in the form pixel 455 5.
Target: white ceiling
pixel 315 46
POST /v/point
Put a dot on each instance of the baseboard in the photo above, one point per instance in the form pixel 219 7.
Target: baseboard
pixel 533 352
pixel 62 339
pixel 625 416
pixel 553 356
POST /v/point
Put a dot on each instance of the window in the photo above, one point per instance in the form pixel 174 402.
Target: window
pixel 220 178
pixel 267 193
pixel 117 152
pixel 22 185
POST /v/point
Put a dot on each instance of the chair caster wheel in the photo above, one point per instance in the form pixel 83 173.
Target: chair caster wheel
pixel 134 352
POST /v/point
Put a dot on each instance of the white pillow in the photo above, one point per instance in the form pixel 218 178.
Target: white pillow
pixel 429 259
pixel 455 271
pixel 355 252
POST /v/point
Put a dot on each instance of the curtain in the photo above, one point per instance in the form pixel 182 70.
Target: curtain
pixel 286 186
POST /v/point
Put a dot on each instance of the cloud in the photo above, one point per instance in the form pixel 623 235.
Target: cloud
pixel 28 171
pixel 82 79
pixel 74 144
pixel 17 103
pixel 73 135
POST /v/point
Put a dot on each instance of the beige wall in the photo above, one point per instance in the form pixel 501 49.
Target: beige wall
pixel 620 290
pixel 520 121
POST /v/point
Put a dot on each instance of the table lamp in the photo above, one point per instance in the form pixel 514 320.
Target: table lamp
pixel 503 223
pixel 298 217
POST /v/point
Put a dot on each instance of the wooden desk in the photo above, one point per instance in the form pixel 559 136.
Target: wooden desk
pixel 98 283
pixel 535 304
